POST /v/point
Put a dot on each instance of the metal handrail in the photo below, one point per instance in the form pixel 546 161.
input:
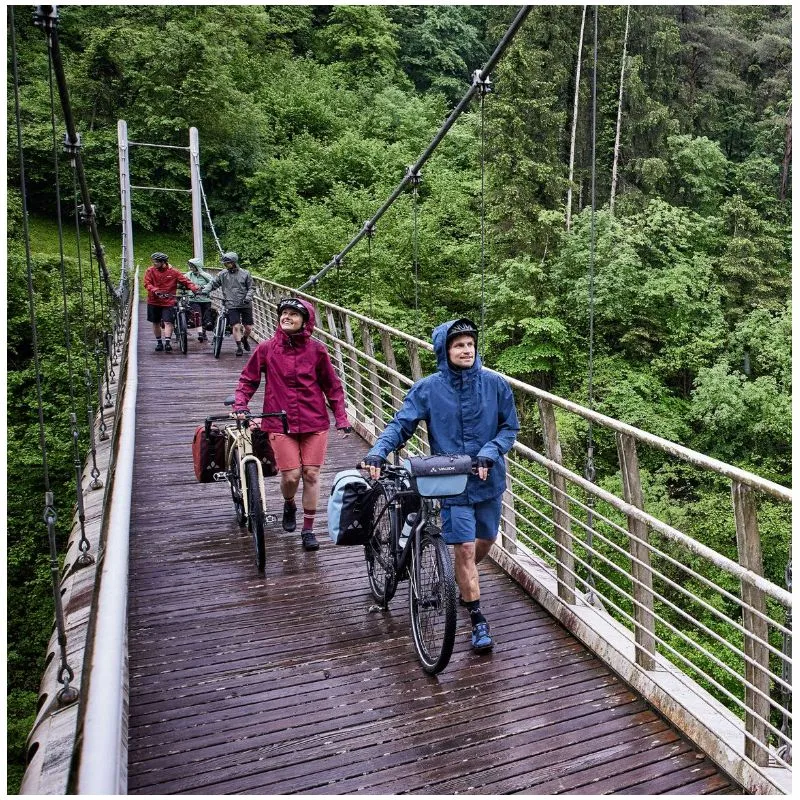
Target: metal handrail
pixel 640 609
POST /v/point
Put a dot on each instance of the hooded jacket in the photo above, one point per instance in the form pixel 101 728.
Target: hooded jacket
pixel 299 377
pixel 201 278
pixel 237 287
pixel 165 280
pixel 467 411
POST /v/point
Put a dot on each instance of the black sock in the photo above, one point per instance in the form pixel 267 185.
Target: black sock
pixel 475 614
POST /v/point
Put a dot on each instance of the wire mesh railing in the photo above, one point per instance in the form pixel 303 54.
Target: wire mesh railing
pixel 687 583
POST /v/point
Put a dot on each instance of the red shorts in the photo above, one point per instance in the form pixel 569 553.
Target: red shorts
pixel 293 450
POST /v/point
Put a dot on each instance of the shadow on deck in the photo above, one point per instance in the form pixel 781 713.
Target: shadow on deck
pixel 289 682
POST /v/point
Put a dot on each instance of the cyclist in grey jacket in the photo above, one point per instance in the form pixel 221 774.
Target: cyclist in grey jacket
pixel 237 291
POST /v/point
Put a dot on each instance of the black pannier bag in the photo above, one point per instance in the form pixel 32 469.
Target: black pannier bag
pixel 262 450
pixel 350 508
pixel 208 453
pixel 210 318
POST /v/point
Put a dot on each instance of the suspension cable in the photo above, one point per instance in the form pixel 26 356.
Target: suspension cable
pixel 415 249
pixel 478 77
pixel 589 471
pixel 484 90
pixel 208 212
pixel 46 17
pixel 66 694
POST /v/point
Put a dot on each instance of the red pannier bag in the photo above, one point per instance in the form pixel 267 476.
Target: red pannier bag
pixel 262 450
pixel 208 453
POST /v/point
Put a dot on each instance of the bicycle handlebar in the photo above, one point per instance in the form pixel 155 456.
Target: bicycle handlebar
pixel 398 469
pixel 248 416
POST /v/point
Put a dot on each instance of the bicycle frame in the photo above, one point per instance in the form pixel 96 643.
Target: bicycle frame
pixel 240 437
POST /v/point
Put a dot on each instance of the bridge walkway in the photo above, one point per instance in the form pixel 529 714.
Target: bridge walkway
pixel 289 682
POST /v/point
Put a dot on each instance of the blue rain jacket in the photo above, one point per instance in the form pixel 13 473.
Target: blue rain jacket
pixel 467 411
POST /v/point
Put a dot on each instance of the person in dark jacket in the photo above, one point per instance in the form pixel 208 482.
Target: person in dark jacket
pixel 161 281
pixel 237 291
pixel 299 379
pixel 467 410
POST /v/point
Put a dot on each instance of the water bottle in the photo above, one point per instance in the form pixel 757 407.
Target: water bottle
pixel 411 520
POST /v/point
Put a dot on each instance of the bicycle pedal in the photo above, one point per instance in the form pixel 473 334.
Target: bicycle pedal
pixel 220 476
pixel 271 519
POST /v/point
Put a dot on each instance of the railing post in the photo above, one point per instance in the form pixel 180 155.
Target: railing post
pixel 375 389
pixel 416 374
pixel 355 378
pixel 508 517
pixel 337 350
pixel 565 560
pixel 748 543
pixel 642 575
pixel 391 362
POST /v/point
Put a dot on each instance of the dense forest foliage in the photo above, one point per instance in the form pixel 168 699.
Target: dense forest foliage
pixel 308 117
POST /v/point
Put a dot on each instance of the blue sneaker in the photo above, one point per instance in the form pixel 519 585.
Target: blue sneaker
pixel 481 638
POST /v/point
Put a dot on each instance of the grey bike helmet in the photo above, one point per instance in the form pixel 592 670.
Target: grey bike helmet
pixel 159 257
pixel 230 258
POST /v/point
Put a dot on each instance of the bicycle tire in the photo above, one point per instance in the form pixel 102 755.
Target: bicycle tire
pixel 235 480
pixel 378 551
pixel 432 602
pixel 255 519
pixel 219 333
pixel 183 332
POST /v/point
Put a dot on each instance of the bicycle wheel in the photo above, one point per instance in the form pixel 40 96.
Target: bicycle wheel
pixel 432 602
pixel 219 333
pixel 255 519
pixel 378 551
pixel 235 480
pixel 183 332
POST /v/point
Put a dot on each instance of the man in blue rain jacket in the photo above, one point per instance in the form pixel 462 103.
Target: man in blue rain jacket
pixel 468 410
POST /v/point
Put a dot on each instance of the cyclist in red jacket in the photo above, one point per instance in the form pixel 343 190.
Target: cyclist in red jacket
pixel 300 380
pixel 161 282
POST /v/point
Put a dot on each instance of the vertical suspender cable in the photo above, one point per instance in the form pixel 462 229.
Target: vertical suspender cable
pixel 66 694
pixel 482 338
pixel 415 256
pixel 589 472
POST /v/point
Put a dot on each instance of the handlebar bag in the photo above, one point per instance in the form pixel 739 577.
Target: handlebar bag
pixel 262 450
pixel 208 453
pixel 350 508
pixel 439 476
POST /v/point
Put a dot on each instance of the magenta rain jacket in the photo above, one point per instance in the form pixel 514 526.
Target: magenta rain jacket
pixel 299 377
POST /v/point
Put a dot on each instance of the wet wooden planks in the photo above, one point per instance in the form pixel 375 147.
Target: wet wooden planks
pixel 291 682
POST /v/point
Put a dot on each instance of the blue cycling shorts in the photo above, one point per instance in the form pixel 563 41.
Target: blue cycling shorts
pixel 462 524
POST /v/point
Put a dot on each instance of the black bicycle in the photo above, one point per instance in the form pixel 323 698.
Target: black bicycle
pixel 405 543
pixel 244 473
pixel 181 328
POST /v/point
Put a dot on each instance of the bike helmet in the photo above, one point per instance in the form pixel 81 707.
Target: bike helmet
pixel 196 262
pixel 159 257
pixel 295 305
pixel 462 326
pixel 230 258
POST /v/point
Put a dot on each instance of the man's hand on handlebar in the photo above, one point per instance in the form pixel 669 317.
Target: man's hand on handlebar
pixel 374 464
pixel 344 432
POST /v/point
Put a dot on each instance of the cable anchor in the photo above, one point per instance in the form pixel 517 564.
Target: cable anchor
pixel 71 148
pixel 484 84
pixel 414 178
pixel 45 17
pixel 369 229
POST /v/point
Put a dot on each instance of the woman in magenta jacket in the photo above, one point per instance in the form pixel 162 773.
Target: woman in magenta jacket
pixel 299 378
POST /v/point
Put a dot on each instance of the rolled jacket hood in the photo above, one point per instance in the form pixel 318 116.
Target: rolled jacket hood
pixel 304 332
pixel 440 348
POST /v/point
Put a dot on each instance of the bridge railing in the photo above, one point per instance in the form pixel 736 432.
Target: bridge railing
pixel 78 744
pixel 703 634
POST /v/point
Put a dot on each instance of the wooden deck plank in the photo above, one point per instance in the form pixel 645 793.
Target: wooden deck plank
pixel 290 682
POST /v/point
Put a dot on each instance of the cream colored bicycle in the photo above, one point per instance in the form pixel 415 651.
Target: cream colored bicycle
pixel 245 475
